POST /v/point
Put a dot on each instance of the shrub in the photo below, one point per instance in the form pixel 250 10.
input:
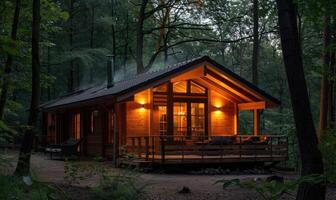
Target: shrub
pixel 124 185
pixel 13 187
pixel 328 149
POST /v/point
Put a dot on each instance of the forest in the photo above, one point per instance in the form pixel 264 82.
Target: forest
pixel 53 48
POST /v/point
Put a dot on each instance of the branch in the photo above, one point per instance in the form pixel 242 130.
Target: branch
pixel 179 26
pixel 157 8
pixel 162 48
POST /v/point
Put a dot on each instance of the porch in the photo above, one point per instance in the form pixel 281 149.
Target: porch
pixel 215 149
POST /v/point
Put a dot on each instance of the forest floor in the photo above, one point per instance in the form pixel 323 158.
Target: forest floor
pixel 159 186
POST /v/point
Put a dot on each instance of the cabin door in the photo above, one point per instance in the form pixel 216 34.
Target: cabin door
pixel 190 119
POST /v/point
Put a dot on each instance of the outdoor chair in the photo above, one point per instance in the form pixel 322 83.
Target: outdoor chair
pixel 65 149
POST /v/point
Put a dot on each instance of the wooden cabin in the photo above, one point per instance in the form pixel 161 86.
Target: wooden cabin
pixel 184 113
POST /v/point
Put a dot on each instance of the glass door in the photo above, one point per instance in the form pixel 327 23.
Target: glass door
pixel 180 119
pixel 197 115
pixel 190 119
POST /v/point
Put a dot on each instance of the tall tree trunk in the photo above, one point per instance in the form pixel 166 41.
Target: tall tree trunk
pixel 255 56
pixel 311 158
pixel 140 36
pixel 71 78
pixel 325 81
pixel 8 65
pixel 23 165
pixel 331 99
pixel 48 71
pixel 113 32
pixel 126 46
pixel 92 38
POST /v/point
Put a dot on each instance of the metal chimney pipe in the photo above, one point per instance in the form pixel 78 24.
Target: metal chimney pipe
pixel 110 70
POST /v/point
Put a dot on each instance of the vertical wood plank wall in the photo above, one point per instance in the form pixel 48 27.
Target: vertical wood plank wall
pixel 138 115
pixel 221 113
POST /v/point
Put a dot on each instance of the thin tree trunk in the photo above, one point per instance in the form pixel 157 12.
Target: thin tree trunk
pixel 140 37
pixel 255 56
pixel 126 46
pixel 71 81
pixel 113 32
pixel 324 81
pixel 331 99
pixel 92 38
pixel 311 158
pixel 23 165
pixel 9 62
pixel 48 71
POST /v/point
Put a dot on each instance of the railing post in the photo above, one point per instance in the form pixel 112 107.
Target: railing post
pixel 221 149
pixel 202 150
pixel 255 150
pixel 139 147
pixel 240 147
pixel 162 149
pixel 147 147
pixel 133 144
pixel 183 145
pixel 153 148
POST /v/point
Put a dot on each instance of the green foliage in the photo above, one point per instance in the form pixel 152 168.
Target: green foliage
pixel 121 185
pixel 328 149
pixel 75 172
pixel 273 190
pixel 13 187
pixel 6 133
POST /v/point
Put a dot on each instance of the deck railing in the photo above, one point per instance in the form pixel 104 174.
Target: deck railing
pixel 208 149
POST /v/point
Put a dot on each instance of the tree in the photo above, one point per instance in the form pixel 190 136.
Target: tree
pixel 23 165
pixel 331 98
pixel 255 53
pixel 8 65
pixel 311 158
pixel 140 36
pixel 324 97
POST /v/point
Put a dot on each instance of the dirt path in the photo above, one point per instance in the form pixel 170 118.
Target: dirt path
pixel 159 186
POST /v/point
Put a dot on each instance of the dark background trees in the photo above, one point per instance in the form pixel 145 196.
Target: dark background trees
pixel 76 36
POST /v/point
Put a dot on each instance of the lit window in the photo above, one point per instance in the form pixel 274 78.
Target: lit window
pixel 75 132
pixel 110 128
pixel 163 119
pixel 180 87
pixel 91 123
pixel 196 89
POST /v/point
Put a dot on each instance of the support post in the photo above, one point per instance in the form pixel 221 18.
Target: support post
pixel 162 149
pixel 147 147
pixel 256 122
pixel 115 138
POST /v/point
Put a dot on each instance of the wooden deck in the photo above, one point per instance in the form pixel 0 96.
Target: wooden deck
pixel 180 150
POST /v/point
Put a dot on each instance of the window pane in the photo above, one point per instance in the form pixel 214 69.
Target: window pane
pixel 197 109
pixel 163 119
pixel 110 128
pixel 75 126
pixel 196 89
pixel 197 119
pixel 180 87
pixel 180 118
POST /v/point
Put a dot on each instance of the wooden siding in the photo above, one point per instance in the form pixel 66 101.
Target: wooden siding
pixel 138 114
pixel 221 113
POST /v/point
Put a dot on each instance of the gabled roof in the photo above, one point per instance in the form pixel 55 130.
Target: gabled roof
pixel 142 80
